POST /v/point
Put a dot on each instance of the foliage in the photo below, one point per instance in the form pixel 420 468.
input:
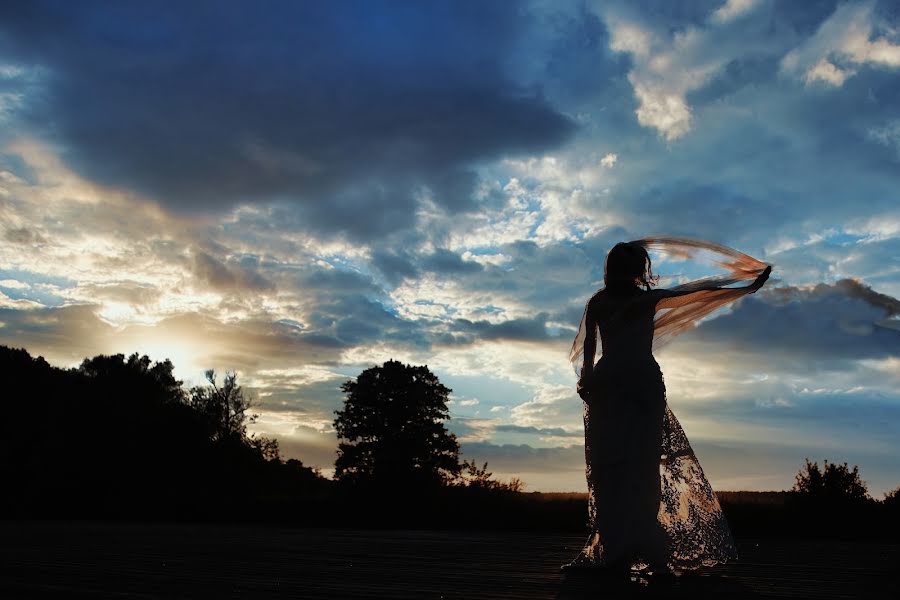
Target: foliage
pixel 892 498
pixel 146 382
pixel 475 477
pixel 834 483
pixel 120 436
pixel 226 412
pixel 392 431
pixel 223 408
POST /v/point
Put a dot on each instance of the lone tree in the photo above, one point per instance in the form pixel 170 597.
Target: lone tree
pixel 833 483
pixel 391 429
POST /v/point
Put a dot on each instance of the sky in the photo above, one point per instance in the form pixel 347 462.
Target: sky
pixel 298 191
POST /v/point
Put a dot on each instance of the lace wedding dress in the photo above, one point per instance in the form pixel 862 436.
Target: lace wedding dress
pixel 650 504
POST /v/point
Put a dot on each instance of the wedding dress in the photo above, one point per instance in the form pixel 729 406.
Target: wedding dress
pixel 650 504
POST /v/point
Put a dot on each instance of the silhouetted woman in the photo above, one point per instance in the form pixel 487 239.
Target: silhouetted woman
pixel 650 505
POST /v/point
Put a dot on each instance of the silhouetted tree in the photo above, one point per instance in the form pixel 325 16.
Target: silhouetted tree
pixel 892 498
pixel 391 428
pixel 119 436
pixel 473 476
pixel 224 408
pixel 142 379
pixel 267 447
pixel 833 483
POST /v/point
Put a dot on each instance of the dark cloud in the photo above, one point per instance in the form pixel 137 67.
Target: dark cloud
pixel 525 458
pixel 23 235
pixel 554 431
pixel 336 282
pixel 70 333
pixel 239 275
pixel 395 266
pixel 66 334
pixel 129 292
pixel 525 330
pixel 356 319
pixel 348 108
pixel 828 324
pixel 447 262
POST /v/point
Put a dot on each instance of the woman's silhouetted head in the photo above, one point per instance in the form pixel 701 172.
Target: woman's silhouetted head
pixel 627 268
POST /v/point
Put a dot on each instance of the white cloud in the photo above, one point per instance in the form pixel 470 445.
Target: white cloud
pixel 632 38
pixel 13 284
pixel 666 68
pixel 732 9
pixel 887 135
pixel 826 72
pixel 844 39
pixel 609 160
pixel 666 111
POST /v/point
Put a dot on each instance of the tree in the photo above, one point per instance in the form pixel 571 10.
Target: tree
pixel 138 377
pixel 391 428
pixel 832 483
pixel 224 408
pixel 476 477
pixel 226 412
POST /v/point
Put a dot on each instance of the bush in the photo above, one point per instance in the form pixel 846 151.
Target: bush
pixel 834 483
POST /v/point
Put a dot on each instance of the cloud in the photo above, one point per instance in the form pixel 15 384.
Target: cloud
pixel 826 72
pixel 449 263
pixel 733 9
pixel 820 326
pixel 345 116
pixel 239 276
pixel 534 329
pixel 609 160
pixel 887 135
pixel 317 193
pixel 551 431
pixel 670 61
pixel 843 41
pixel 23 235
pixel 522 458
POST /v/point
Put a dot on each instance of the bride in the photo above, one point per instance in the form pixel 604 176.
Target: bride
pixel 650 505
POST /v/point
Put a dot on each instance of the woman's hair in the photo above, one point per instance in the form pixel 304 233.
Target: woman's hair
pixel 628 267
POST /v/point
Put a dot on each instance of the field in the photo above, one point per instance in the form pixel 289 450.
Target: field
pixel 85 559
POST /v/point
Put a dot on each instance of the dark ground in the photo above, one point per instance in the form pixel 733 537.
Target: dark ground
pixel 115 560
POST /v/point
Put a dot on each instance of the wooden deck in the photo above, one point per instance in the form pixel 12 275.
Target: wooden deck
pixel 76 560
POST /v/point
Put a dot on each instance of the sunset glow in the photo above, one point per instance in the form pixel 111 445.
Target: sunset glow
pixel 297 198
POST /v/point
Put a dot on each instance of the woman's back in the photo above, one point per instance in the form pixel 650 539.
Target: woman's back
pixel 625 323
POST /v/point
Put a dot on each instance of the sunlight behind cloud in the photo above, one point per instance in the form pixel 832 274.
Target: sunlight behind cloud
pixel 452 206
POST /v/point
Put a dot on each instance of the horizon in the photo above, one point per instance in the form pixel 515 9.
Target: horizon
pixel 301 191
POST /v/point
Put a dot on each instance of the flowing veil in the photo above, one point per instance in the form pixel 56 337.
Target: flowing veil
pixel 689 512
pixel 675 315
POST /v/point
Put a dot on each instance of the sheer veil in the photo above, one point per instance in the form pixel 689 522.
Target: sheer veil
pixel 675 315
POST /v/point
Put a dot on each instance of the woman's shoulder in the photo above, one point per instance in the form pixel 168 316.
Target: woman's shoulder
pixel 605 302
pixel 600 298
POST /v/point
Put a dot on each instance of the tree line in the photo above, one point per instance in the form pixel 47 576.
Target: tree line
pixel 121 437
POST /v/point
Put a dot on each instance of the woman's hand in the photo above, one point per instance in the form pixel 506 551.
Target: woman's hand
pixel 582 389
pixel 763 277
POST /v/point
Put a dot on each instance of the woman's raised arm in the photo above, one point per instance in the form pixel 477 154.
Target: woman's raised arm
pixel 671 298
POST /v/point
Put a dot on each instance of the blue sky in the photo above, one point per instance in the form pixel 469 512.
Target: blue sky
pixel 299 191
